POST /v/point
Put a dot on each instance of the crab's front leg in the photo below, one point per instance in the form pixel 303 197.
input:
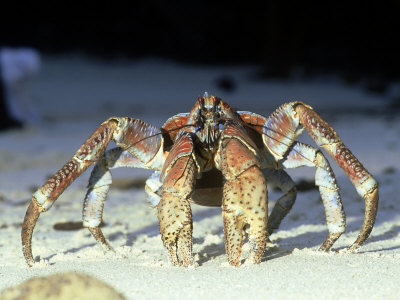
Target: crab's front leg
pixel 136 136
pixel 174 212
pixel 244 203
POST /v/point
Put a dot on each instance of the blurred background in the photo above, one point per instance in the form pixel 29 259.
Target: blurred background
pixel 257 55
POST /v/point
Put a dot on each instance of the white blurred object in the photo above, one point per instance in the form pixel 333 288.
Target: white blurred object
pixel 18 67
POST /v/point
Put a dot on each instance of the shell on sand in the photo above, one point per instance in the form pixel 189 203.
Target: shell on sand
pixel 62 286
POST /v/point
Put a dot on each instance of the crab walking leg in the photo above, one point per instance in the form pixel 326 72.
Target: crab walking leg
pixel 99 185
pixel 305 155
pixel 45 196
pixel 282 128
pixel 138 137
pixel 174 212
pixel 365 184
pixel 244 203
pixel 284 204
pixel 31 217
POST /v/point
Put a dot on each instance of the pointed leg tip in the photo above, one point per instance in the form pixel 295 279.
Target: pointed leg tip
pixel 350 250
pixel 30 263
pixel 323 249
pixel 31 217
pixel 353 248
pixel 110 249
pixel 29 259
pixel 97 233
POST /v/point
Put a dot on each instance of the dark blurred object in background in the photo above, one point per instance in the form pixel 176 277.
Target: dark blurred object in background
pixel 226 83
pixel 356 39
pixel 17 67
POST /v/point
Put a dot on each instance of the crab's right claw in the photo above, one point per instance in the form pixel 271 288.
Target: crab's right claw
pixel 174 213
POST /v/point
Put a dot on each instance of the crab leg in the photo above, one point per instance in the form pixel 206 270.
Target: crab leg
pixel 365 184
pixel 99 185
pixel 244 203
pixel 287 122
pixel 174 212
pixel 136 136
pixel 284 204
pixel 305 155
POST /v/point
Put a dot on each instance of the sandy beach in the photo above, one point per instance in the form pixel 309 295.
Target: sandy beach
pixel 74 95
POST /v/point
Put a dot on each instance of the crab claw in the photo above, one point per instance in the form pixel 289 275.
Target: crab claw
pixel 244 202
pixel 174 212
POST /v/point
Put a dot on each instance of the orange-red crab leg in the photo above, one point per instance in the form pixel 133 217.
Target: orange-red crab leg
pixel 244 203
pixel 136 136
pixel 365 184
pixel 99 185
pixel 287 122
pixel 174 213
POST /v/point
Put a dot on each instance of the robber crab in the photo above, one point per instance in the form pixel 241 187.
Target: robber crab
pixel 213 156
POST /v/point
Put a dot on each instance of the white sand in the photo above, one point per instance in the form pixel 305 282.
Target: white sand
pixel 74 95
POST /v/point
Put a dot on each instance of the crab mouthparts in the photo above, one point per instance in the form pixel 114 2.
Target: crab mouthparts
pixel 210 134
